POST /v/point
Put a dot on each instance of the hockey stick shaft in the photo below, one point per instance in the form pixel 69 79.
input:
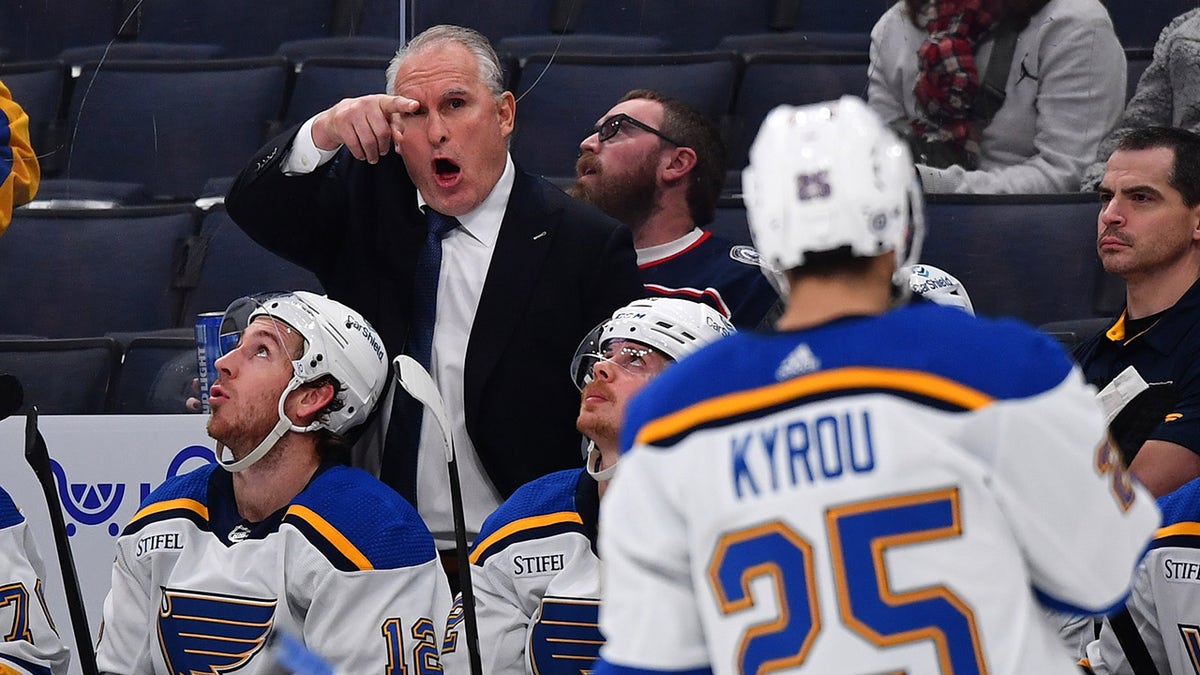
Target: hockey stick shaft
pixel 38 458
pixel 417 382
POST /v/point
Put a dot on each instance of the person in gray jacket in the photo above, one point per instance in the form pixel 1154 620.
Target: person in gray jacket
pixel 1064 92
pixel 1168 95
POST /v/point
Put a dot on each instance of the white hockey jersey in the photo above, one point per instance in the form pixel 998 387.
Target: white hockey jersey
pixel 536 579
pixel 895 493
pixel 347 567
pixel 1160 624
pixel 29 642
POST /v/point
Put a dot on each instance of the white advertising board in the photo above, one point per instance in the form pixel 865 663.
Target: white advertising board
pixel 104 465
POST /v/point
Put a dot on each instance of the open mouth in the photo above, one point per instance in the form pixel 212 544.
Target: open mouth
pixel 446 172
pixel 587 165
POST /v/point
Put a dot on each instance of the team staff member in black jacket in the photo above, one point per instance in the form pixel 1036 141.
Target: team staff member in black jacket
pixel 525 272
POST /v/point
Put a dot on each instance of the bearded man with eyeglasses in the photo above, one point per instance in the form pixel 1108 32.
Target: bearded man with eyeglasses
pixel 657 164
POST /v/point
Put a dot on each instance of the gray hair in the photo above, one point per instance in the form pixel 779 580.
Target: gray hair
pixel 490 72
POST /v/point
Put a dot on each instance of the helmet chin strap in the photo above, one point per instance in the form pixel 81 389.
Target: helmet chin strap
pixel 594 460
pixel 281 427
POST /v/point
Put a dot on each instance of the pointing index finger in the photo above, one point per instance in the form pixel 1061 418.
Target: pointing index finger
pixel 398 104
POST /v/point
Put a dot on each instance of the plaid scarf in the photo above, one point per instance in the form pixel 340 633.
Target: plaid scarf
pixel 948 79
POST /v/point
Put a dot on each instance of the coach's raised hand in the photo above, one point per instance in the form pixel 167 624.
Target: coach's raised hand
pixel 368 125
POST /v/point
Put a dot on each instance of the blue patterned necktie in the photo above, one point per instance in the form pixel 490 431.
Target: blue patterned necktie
pixel 425 287
pixel 399 468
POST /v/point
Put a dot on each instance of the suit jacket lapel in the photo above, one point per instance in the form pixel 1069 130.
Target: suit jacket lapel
pixel 526 234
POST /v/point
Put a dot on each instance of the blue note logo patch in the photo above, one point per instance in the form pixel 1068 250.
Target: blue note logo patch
pixel 566 637
pixel 211 633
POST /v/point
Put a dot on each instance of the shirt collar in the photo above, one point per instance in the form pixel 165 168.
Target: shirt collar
pixel 652 254
pixel 483 222
pixel 1166 333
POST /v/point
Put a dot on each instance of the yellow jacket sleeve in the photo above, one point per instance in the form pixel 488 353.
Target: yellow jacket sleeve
pixel 19 170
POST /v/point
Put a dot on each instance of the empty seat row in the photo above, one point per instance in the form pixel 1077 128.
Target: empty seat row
pixel 985 241
pixel 169 125
pixel 42 29
pixel 139 277
pixel 39 30
pixel 82 273
pixel 86 272
pixel 85 376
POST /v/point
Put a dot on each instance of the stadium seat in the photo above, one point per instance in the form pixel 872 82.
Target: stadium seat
pixel 323 81
pixel 78 193
pixel 358 46
pixel 797 41
pixel 691 26
pixel 245 28
pixel 523 46
pixel 494 19
pixel 835 16
pixel 379 18
pixel 38 88
pixel 156 376
pixel 140 51
pixel 729 221
pixel 171 124
pixel 224 264
pixel 1138 23
pixel 1071 333
pixel 80 273
pixel 1027 256
pixel 62 377
pixel 1136 62
pixel 33 30
pixel 562 98
pixel 771 79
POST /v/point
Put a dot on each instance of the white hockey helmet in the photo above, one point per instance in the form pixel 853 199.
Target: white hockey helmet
pixel 938 285
pixel 338 342
pixel 827 176
pixel 674 326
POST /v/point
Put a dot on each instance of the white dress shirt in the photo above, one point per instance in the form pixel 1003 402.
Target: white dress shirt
pixel 466 256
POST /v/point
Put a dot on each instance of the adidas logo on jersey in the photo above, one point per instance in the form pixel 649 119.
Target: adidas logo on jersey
pixel 800 361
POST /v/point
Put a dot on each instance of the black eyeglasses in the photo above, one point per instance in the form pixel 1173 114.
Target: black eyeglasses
pixel 612 125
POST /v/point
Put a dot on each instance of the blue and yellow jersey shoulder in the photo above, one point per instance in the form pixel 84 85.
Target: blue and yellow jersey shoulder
pixel 19 169
pixel 538 509
pixel 1180 518
pixel 184 496
pixel 10 515
pixel 359 523
pixel 936 356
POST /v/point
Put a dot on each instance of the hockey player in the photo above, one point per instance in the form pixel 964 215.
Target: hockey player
pixel 869 489
pixel 535 569
pixel 1158 630
pixel 281 537
pixel 31 645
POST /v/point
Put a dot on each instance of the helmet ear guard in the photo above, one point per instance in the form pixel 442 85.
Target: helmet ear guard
pixel 337 341
pixel 829 176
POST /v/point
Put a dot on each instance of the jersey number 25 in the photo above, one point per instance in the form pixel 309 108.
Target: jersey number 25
pixel 858 536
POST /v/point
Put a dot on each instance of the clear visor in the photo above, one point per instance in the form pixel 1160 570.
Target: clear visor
pixel 627 355
pixel 243 311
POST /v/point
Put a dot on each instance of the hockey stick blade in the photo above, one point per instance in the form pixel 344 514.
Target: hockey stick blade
pixel 417 382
